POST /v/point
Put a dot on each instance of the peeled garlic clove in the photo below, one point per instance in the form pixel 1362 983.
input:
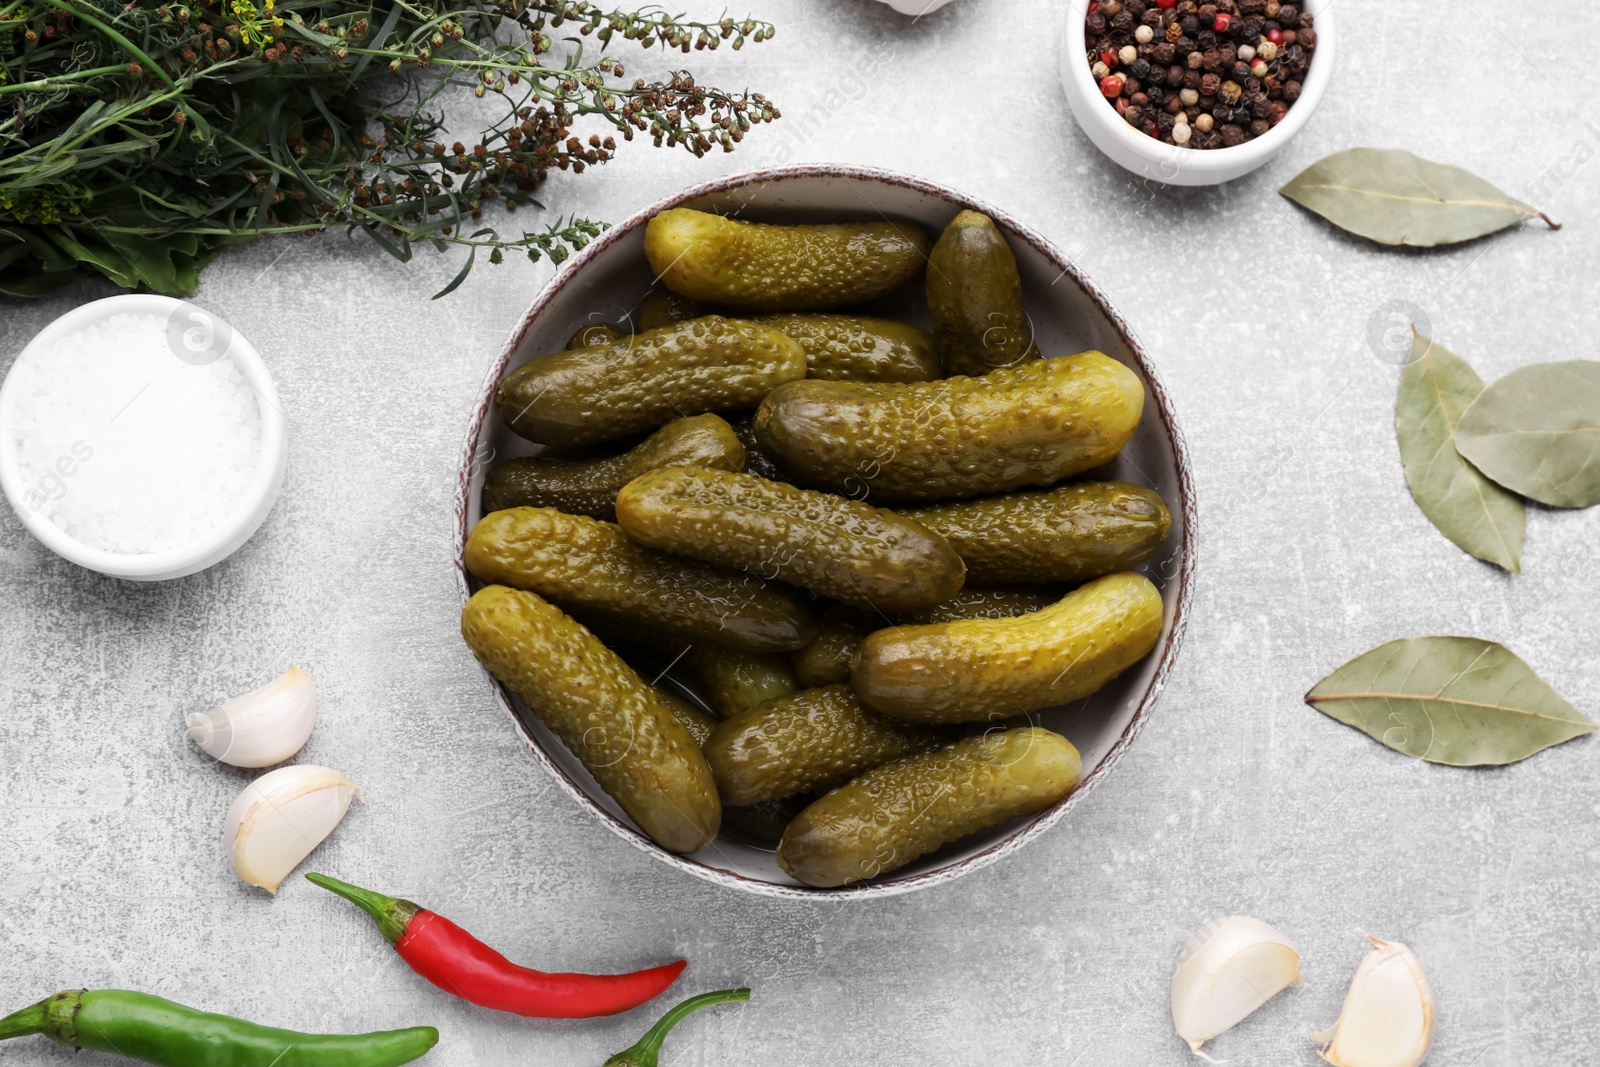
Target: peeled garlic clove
pixel 263 727
pixel 1226 971
pixel 280 817
pixel 1387 1019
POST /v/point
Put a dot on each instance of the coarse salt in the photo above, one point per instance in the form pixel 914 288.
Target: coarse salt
pixel 124 446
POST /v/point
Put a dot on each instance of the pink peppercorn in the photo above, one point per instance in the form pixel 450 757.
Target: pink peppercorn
pixel 1222 21
pixel 1275 36
pixel 1111 85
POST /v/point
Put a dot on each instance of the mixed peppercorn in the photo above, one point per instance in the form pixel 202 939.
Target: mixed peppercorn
pixel 1200 75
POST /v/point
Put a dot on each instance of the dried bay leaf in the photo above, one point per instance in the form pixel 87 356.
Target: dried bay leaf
pixel 1462 701
pixel 1390 196
pixel 1537 432
pixel 1472 511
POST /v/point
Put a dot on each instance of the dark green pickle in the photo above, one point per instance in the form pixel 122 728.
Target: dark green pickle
pixel 589 567
pixel 826 660
pixel 609 717
pixel 1034 424
pixel 589 486
pixel 590 395
pixel 812 740
pixel 895 813
pixel 753 266
pixel 663 308
pixel 732 680
pixel 839 548
pixel 1067 534
pixel 859 348
pixel 975 299
pixel 757 460
pixel 594 335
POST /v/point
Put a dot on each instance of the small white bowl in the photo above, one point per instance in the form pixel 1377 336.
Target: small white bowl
pixel 199 554
pixel 1171 164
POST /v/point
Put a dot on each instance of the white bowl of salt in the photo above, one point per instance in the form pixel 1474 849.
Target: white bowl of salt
pixel 141 437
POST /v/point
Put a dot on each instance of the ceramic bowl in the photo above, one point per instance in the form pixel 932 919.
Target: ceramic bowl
pixel 1170 164
pixel 245 518
pixel 607 280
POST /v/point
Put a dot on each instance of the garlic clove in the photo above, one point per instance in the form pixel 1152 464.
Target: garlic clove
pixel 280 817
pixel 1387 1019
pixel 1226 971
pixel 262 727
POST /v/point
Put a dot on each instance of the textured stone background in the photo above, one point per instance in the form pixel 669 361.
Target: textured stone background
pixel 1237 798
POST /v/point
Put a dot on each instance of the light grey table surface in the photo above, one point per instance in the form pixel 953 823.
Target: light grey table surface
pixel 1236 798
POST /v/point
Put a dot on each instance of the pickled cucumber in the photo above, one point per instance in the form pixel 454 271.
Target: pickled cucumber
pixel 701 725
pixel 589 486
pixel 840 548
pixel 891 815
pixel 978 602
pixel 610 719
pixel 1029 425
pixel 752 266
pixel 663 308
pixel 842 629
pixel 975 299
pixel 732 680
pixel 814 739
pixel 588 566
pixel 826 660
pixel 982 669
pixel 589 395
pixel 1067 534
pixel 858 348
pixel 599 333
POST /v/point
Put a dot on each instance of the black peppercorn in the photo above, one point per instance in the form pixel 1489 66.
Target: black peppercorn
pixel 1232 136
pixel 1260 107
pixel 1183 49
pixel 1190 24
pixel 1122 22
pixel 1252 7
pixel 1194 61
pixel 1139 69
pixel 1174 76
pixel 1155 94
pixel 1288 14
pixel 1259 127
pixel 1164 123
pixel 1152 17
pixel 1131 86
pixel 1136 8
pixel 1134 115
pixel 1222 113
pixel 1268 26
pixel 1187 7
pixel 1209 84
pixel 1191 80
pixel 1164 54
pixel 1173 105
pixel 1216 60
pixel 1240 72
pixel 1291 92
pixel 1240 116
pixel 1094 22
pixel 1307 38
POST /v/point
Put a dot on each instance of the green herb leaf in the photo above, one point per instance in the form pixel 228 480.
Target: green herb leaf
pixel 1472 511
pixel 1395 198
pixel 1456 700
pixel 1537 432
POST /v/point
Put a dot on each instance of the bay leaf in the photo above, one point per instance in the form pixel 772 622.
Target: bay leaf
pixel 1393 197
pixel 1462 701
pixel 1537 432
pixel 1472 511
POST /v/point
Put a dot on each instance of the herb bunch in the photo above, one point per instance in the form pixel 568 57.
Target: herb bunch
pixel 138 139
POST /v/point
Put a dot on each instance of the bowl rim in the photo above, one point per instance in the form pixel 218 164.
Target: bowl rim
pixel 471 454
pixel 1209 161
pixel 246 516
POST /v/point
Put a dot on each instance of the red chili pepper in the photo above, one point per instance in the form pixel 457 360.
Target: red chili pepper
pixel 459 963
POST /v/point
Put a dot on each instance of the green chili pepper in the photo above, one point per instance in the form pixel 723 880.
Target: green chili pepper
pixel 142 1027
pixel 645 1053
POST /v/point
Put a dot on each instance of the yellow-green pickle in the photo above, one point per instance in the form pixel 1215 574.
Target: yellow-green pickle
pixel 975 299
pixel 979 602
pixel 826 660
pixel 1066 534
pixel 754 266
pixel 910 441
pixel 663 308
pixel 840 548
pixel 700 724
pixel 589 567
pixel 859 348
pixel 599 333
pixel 977 670
pixel 590 395
pixel 808 741
pixel 609 717
pixel 589 486
pixel 733 680
pixel 895 813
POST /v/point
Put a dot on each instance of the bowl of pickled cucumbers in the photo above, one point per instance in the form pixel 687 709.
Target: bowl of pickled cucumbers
pixel 824 532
